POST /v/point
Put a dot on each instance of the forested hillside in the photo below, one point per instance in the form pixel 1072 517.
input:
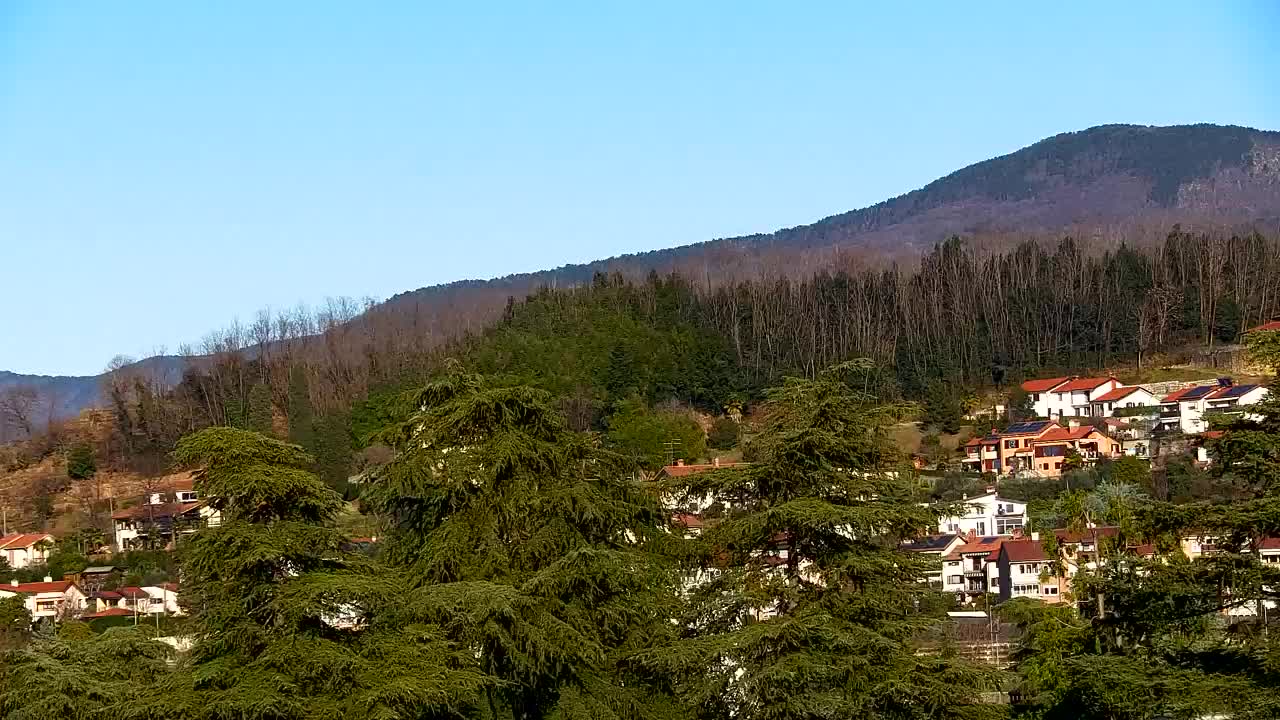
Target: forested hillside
pixel 1103 186
pixel 965 320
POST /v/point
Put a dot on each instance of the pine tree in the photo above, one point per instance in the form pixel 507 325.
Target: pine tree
pixel 289 624
pixel 532 545
pixel 809 608
pixel 68 677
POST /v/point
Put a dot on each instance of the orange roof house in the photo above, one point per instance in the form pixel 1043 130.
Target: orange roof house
pixel 1038 386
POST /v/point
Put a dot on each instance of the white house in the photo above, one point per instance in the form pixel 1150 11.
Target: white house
pixel 935 547
pixel 51 599
pixel 23 550
pixel 1125 396
pixel 1067 396
pixel 987 514
pixel 1188 410
pixel 164 515
pixel 971 570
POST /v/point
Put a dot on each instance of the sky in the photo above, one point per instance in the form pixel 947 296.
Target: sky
pixel 167 168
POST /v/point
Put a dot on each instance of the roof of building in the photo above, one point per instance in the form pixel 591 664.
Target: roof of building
pixel 688 520
pixel 1062 434
pixel 1043 385
pixel 162 510
pixel 133 591
pixel 1233 391
pixel 989 545
pixel 1024 551
pixel 109 612
pixel 931 543
pixel 681 469
pixel 973 442
pixel 98 569
pixel 1273 326
pixel 1078 384
pixel 1194 392
pixel 1269 543
pixel 1027 428
pixel 22 540
pixel 107 595
pixel 54 586
pixel 1119 393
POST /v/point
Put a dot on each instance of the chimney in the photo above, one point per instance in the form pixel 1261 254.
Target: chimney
pixel 14 582
pixel 1073 423
pixel 971 537
pixel 48 578
pixel 716 461
pixel 1017 533
pixel 990 489
pixel 680 462
pixel 1035 536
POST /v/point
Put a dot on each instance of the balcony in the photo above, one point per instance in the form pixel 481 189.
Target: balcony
pixel 971 573
pixel 1169 413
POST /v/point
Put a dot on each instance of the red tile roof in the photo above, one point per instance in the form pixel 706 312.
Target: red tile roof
pixel 56 586
pixel 687 520
pixel 21 540
pixel 1024 551
pixel 109 612
pixel 1119 393
pixel 1269 543
pixel 989 545
pixel 1083 384
pixel 1273 326
pixel 1043 385
pixel 147 511
pixel 683 470
pixel 1063 434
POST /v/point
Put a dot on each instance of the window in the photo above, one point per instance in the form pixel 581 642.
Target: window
pixel 1044 466
pixel 1030 568
pixel 953 528
pixel 955 579
pixel 1057 466
pixel 1006 526
pixel 46 605
pixel 1050 589
pixel 1035 397
pixel 1026 443
pixel 1026 589
pixel 1010 444
pixel 982 528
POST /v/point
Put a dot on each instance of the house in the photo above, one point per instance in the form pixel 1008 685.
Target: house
pixel 1189 410
pixel 935 547
pixel 1049 450
pixel 48 600
pixel 970 570
pixel 1039 447
pixel 986 514
pixel 1229 401
pixel 1067 396
pixel 1122 398
pixel 25 549
pixel 92 579
pixel 163 516
pixel 1024 571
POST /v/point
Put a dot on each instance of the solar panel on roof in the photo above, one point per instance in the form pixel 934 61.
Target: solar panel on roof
pixel 1198 392
pixel 1027 427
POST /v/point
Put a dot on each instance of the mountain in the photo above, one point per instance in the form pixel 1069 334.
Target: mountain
pixel 1110 178
pixel 1121 180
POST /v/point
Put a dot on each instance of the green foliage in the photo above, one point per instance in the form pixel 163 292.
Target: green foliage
pixel 1130 470
pixel 942 407
pixel 536 549
pixel 287 623
pixel 81 464
pixel 1263 347
pixel 258 414
pixel 825 629
pixel 654 438
pixel 71 678
pixel 15 623
pixel 723 434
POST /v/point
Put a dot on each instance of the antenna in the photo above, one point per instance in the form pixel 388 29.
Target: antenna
pixel 671 447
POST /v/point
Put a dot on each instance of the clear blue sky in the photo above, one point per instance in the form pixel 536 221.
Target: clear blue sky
pixel 166 167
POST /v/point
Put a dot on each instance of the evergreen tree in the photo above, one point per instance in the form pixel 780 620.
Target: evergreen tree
pixel 258 416
pixel 532 545
pixel 287 623
pixel 81 464
pixel 809 609
pixel 72 676
pixel 942 407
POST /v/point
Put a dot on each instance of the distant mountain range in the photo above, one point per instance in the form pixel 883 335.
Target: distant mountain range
pixel 1111 178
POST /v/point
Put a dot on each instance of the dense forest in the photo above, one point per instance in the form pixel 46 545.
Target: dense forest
pixel 963 319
